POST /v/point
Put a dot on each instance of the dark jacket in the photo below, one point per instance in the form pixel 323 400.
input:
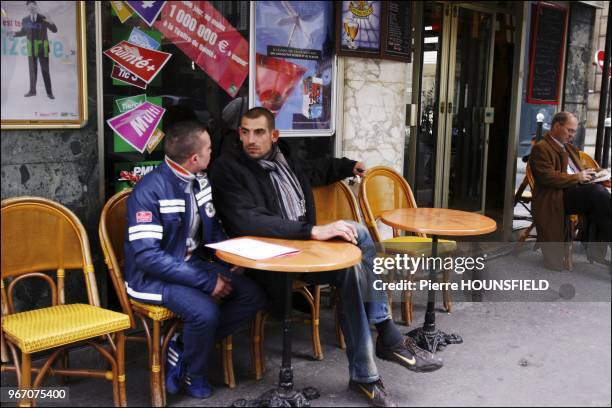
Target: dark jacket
pixel 244 196
pixel 548 162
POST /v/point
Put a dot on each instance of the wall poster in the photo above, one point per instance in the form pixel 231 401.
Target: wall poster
pixel 293 70
pixel 44 72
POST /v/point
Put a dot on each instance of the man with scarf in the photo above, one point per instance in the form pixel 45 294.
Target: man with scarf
pixel 261 189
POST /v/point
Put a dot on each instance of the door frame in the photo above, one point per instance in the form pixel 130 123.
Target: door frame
pixel 519 11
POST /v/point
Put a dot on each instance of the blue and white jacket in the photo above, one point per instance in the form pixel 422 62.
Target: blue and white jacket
pixel 158 212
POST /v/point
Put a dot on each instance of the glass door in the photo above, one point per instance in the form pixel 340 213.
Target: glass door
pixel 468 112
pixel 456 59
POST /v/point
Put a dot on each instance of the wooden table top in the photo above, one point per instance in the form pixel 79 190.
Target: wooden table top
pixel 439 221
pixel 314 256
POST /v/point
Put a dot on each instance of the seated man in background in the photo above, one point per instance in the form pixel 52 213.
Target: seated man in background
pixel 562 188
pixel 262 190
pixel 170 218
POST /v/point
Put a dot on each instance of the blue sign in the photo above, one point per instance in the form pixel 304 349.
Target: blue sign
pixel 138 37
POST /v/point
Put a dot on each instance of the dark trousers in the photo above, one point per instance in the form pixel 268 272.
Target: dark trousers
pixel 39 55
pixel 205 321
pixel 592 200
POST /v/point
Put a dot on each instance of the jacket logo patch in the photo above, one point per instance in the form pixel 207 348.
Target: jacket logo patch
pixel 210 209
pixel 144 216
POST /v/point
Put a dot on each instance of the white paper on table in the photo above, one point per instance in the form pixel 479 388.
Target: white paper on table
pixel 252 248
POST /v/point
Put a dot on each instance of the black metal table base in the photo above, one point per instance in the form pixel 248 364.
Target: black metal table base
pixel 434 340
pixel 284 395
pixel 280 397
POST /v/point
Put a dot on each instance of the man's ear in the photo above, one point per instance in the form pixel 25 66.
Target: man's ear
pixel 275 135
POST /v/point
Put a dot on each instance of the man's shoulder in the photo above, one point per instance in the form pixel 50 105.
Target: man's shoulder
pixel 153 183
pixel 227 162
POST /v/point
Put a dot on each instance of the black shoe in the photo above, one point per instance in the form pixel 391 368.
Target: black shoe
pixel 50 96
pixel 374 392
pixel 408 354
pixel 31 93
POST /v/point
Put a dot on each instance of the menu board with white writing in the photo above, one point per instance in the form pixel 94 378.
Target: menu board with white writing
pixel 397 43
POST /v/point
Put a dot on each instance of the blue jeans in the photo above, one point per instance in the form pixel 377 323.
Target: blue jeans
pixel 353 285
pixel 205 321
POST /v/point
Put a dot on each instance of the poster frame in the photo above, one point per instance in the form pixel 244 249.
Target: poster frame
pixel 252 78
pixel 81 70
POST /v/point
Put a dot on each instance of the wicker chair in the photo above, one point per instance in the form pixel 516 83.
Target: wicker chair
pixel 336 202
pixel 40 235
pixel 113 224
pixel 383 189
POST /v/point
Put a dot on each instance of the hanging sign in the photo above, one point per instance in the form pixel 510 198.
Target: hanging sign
pixel 127 77
pixel 122 10
pixel 140 61
pixel 147 10
pixel 137 125
pixel 209 40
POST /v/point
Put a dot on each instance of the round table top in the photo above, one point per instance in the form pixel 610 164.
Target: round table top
pixel 314 256
pixel 439 221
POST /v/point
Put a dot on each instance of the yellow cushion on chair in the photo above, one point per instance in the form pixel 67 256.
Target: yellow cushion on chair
pixel 154 312
pixel 42 329
pixel 418 245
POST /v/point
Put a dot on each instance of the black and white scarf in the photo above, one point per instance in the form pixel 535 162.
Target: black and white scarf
pixel 287 189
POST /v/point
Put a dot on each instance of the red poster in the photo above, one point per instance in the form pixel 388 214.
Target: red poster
pixel 140 61
pixel 206 37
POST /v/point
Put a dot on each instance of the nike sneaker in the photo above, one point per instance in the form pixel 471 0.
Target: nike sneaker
pixel 374 392
pixel 408 354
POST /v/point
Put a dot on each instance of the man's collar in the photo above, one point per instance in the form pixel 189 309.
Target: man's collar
pixel 556 145
pixel 180 172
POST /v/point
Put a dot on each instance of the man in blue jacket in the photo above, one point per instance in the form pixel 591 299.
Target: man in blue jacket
pixel 171 217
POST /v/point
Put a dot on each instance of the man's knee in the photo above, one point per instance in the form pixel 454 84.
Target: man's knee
pixel 204 317
pixel 251 293
pixel 364 240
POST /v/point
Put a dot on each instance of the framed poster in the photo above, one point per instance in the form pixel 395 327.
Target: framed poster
pixel 44 70
pixel 359 28
pixel 546 54
pixel 293 71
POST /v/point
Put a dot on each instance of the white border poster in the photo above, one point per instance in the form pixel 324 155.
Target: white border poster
pixel 49 36
pixel 293 67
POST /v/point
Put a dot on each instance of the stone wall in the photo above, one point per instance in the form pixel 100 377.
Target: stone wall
pixel 374 111
pixel 61 165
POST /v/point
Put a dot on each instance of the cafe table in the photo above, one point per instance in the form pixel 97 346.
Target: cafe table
pixel 313 257
pixel 436 222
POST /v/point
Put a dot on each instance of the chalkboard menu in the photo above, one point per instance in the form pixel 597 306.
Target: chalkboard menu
pixel 548 39
pixel 397 42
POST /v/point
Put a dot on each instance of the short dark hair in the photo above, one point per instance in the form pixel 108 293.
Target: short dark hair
pixel 182 139
pixel 560 118
pixel 258 112
pixel 30 2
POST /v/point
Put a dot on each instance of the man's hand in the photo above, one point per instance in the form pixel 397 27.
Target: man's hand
pixel 586 175
pixel 359 169
pixel 222 288
pixel 238 270
pixel 341 229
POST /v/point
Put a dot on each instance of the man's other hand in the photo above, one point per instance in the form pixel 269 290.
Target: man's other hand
pixel 586 175
pixel 341 229
pixel 222 288
pixel 359 169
